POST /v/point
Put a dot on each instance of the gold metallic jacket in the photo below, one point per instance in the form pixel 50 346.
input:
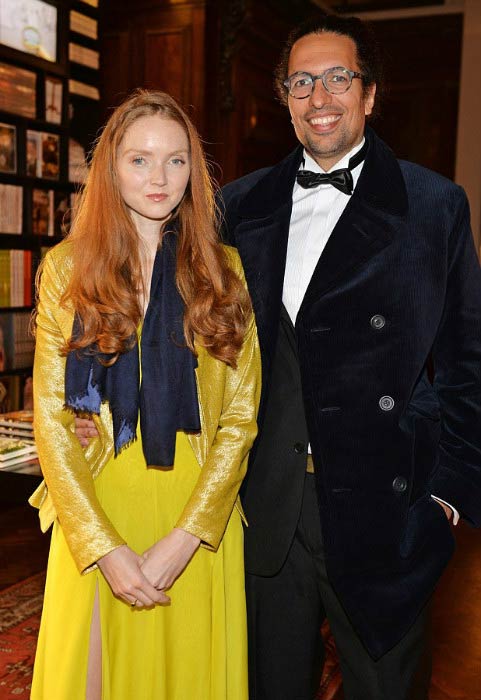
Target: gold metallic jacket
pixel 228 401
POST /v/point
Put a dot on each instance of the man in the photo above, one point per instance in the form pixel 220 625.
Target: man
pixel 358 284
pixel 357 291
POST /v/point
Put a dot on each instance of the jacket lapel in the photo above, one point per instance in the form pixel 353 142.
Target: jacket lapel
pixel 261 239
pixel 368 223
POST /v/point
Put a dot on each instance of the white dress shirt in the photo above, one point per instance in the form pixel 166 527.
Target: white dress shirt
pixel 315 213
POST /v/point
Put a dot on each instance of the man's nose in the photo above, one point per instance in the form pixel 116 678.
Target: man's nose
pixel 319 96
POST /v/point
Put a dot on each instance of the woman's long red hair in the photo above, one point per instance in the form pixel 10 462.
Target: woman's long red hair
pixel 106 273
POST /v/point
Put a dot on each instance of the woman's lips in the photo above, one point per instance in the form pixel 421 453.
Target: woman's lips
pixel 157 197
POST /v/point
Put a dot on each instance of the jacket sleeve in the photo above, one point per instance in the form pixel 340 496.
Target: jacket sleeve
pixel 457 374
pixel 210 505
pixel 68 478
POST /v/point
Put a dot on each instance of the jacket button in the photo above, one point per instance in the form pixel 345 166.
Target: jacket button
pixel 386 403
pixel 299 448
pixel 400 484
pixel 377 322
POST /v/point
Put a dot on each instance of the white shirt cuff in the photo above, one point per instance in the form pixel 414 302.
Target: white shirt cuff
pixel 455 512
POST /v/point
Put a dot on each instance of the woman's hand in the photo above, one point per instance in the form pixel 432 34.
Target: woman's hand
pixel 122 570
pixel 84 430
pixel 164 562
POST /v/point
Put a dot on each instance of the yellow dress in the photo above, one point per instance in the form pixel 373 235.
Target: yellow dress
pixel 195 649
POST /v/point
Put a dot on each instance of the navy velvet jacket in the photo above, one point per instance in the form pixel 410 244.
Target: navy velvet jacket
pixel 384 436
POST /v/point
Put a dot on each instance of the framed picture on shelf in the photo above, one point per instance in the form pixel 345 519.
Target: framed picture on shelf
pixel 8 148
pixel 40 212
pixel 53 100
pixel 33 153
pixel 16 342
pixel 29 26
pixel 18 90
pixel 60 212
pixel 51 212
pixel 50 156
pixel 43 154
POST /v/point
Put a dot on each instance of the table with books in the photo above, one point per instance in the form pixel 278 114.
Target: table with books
pixel 18 457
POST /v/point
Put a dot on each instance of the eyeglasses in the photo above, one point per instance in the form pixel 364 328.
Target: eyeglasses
pixel 335 80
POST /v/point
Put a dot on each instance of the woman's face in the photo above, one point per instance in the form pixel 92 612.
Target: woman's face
pixel 153 168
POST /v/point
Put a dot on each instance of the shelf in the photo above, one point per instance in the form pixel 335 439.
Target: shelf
pixel 32 468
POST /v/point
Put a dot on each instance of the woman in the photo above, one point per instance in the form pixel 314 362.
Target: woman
pixel 142 315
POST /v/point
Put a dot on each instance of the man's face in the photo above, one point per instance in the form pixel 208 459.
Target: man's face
pixel 327 125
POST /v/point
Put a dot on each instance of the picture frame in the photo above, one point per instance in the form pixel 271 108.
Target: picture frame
pixel 42 154
pixel 40 212
pixel 29 26
pixel 8 148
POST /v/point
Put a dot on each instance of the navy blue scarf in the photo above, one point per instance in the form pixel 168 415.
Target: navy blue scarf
pixel 167 397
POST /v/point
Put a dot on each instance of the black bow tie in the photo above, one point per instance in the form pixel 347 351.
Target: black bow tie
pixel 341 178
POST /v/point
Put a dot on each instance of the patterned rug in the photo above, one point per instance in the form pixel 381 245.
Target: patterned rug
pixel 20 607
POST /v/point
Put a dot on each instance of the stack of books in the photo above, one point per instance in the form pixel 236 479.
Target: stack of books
pixel 14 451
pixel 17 424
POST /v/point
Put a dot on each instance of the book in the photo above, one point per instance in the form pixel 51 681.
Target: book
pixel 5 431
pixel 83 55
pixel 17 424
pixel 16 341
pixel 27 278
pixel 33 146
pixel 8 148
pixel 26 460
pixel 82 24
pixel 43 154
pixel 15 277
pixel 84 90
pixel 11 448
pixel 40 212
pixel 77 162
pixel 11 393
pixel 18 90
pixel 53 100
pixel 50 156
pixel 4 280
pixel 11 204
pixel 22 418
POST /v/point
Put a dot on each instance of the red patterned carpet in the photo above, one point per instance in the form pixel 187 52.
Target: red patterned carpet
pixel 20 607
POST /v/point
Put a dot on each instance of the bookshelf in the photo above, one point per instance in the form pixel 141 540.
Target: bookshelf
pixel 49 116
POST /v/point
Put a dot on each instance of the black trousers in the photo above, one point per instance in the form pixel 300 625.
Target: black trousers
pixel 285 614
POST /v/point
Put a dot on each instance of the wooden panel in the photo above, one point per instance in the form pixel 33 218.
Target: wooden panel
pixel 166 64
pixel 161 46
pixel 250 126
pixel 419 116
pixel 265 134
pixel 115 59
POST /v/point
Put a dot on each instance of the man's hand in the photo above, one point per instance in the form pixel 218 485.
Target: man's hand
pixel 166 559
pixel 84 430
pixel 122 570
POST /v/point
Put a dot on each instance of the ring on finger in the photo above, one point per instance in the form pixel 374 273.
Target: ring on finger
pixel 132 605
